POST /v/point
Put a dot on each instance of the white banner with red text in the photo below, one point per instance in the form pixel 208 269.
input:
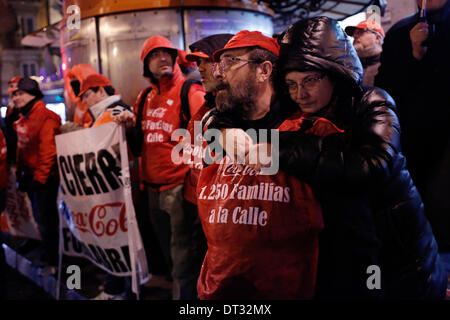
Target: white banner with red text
pixel 97 215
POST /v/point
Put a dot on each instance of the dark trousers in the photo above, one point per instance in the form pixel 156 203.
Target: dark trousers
pixel 116 285
pixel 177 229
pixel 45 212
pixel 156 261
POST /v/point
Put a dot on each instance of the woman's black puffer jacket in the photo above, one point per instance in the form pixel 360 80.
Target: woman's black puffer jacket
pixel 373 214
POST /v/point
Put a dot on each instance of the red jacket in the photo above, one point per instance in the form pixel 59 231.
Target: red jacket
pixel 36 148
pixel 81 72
pixel 262 230
pixel 195 157
pixel 161 116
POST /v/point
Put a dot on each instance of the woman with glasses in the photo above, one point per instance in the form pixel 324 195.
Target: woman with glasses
pixel 377 242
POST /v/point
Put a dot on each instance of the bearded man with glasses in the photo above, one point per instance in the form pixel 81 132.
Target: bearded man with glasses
pixel 262 229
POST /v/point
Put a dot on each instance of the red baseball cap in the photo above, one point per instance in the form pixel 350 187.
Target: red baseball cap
pixel 14 79
pixel 365 25
pixel 193 56
pixel 245 38
pixel 12 84
pixel 92 81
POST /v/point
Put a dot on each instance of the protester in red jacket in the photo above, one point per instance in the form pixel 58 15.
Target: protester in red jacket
pixel 36 162
pixel 201 56
pixel 160 116
pixel 262 227
pixel 202 52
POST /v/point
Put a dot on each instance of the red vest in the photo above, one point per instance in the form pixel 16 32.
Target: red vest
pixel 262 231
pixel 161 116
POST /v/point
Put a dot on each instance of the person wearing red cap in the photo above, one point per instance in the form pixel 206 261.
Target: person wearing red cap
pixel 262 229
pixel 201 56
pixel 188 67
pixel 37 169
pixel 159 112
pixel 103 104
pixel 99 96
pixel 368 38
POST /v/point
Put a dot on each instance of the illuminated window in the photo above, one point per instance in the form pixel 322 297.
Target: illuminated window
pixel 29 69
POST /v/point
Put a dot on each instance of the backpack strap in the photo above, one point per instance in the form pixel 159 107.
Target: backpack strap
pixel 141 106
pixel 135 136
pixel 185 112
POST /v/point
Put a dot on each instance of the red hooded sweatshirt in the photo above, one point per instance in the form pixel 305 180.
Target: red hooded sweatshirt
pixel 161 117
pixel 81 72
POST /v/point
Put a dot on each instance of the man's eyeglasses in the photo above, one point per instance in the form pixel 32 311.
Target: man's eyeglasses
pixel 358 32
pixel 307 84
pixel 226 62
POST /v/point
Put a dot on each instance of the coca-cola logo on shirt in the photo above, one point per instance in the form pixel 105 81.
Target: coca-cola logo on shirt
pixel 103 220
pixel 232 170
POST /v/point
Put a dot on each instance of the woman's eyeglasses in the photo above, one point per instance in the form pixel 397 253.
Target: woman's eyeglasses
pixel 307 84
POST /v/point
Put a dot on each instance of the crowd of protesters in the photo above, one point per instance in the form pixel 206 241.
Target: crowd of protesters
pixel 349 157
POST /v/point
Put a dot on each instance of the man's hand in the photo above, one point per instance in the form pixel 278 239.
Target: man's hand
pixel 259 156
pixel 418 34
pixel 240 147
pixel 236 143
pixel 70 126
pixel 126 118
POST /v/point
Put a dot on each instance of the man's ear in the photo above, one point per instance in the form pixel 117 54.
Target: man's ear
pixel 265 70
pixel 379 39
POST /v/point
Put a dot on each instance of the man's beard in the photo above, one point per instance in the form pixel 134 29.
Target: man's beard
pixel 239 100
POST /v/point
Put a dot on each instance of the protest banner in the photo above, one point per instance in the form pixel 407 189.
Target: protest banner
pixel 18 219
pixel 97 218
